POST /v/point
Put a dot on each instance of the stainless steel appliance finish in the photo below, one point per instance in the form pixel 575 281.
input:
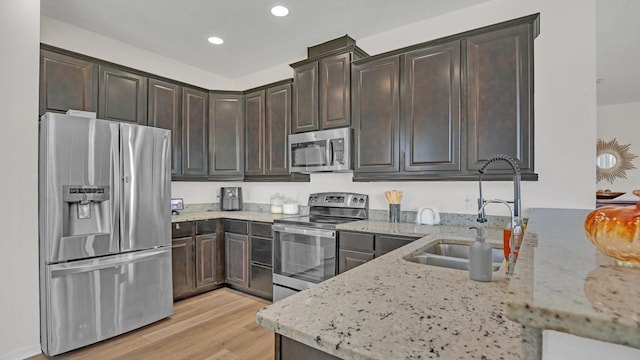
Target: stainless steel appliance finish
pixel 231 198
pixel 325 150
pixel 104 223
pixel 305 248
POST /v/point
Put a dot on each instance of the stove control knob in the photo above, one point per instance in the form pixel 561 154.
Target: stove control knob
pixel 361 200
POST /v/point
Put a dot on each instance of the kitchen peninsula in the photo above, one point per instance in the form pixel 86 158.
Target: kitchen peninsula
pixel 390 308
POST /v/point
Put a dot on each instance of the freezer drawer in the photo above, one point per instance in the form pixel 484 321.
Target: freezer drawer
pixel 92 300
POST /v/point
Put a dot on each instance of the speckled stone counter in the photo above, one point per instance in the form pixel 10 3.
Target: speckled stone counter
pixel 238 215
pixel 385 227
pixel 390 308
pixel 563 283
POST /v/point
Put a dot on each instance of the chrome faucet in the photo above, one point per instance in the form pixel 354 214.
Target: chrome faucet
pixel 516 219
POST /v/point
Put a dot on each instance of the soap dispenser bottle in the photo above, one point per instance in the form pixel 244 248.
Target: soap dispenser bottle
pixel 480 268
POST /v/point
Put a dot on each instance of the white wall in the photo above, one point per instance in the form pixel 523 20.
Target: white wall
pixel 72 38
pixel 19 321
pixel 620 121
pixel 565 115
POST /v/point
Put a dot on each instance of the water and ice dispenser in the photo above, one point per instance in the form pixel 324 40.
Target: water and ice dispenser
pixel 86 209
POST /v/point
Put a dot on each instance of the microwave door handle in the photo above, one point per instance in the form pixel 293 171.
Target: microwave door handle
pixel 330 152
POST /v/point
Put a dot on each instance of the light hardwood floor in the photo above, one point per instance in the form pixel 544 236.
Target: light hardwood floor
pixel 218 325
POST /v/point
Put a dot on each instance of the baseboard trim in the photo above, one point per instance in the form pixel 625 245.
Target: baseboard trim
pixel 23 353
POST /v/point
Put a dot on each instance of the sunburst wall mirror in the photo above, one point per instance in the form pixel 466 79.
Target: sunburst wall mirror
pixel 613 160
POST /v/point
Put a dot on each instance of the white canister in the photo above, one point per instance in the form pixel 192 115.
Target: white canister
pixel 290 207
pixel 277 204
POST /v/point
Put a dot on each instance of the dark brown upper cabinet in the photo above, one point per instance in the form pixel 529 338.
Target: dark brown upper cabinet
pixel 226 136
pixel 305 98
pixel 164 112
pixel 122 95
pixel 278 122
pixel 431 109
pixel 500 97
pixel 376 116
pixel 322 86
pixel 462 99
pixel 254 127
pixel 267 128
pixel 195 114
pixel 67 83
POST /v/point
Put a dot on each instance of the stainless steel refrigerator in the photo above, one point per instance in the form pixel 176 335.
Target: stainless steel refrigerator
pixel 104 229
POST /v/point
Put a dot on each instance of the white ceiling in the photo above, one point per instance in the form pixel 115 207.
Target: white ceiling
pixel 256 40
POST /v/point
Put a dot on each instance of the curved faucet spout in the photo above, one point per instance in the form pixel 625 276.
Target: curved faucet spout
pixel 517 207
pixel 516 221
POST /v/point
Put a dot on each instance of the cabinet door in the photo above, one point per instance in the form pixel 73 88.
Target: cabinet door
pixel 236 259
pixel 376 116
pixel 305 98
pixel 194 132
pixel 385 244
pixel 67 83
pixel 254 127
pixel 122 96
pixel 206 263
pixel 226 138
pixel 261 281
pixel 335 91
pixel 431 108
pixel 348 259
pixel 500 91
pixel 182 266
pixel 164 112
pixel 278 122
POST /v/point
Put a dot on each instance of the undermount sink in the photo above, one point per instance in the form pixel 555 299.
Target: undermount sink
pixel 452 255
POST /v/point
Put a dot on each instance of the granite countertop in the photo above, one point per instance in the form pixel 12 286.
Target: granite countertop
pixel 385 227
pixel 563 283
pixel 389 308
pixel 237 215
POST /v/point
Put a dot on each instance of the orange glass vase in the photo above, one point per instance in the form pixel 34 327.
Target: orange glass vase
pixel 615 231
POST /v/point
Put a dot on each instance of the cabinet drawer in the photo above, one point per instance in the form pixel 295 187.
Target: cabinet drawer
pixel 261 229
pixel 206 226
pixel 356 241
pixel 261 250
pixel 181 229
pixel 236 226
pixel 385 244
pixel 262 279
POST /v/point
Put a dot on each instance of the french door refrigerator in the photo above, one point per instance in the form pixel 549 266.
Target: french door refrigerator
pixel 104 229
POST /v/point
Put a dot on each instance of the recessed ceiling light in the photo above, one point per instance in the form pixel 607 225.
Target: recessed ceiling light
pixel 279 11
pixel 215 40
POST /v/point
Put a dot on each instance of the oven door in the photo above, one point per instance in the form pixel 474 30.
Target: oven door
pixel 303 256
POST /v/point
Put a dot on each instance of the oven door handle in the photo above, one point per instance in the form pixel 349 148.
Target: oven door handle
pixel 304 231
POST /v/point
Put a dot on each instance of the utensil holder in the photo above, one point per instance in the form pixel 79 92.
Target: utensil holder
pixel 394 213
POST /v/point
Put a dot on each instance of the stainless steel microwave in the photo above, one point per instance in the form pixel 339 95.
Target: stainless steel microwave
pixel 325 150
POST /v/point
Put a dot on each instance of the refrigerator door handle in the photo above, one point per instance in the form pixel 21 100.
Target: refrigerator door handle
pixel 65 270
pixel 116 168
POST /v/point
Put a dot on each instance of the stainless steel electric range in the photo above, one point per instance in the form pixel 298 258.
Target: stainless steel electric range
pixel 305 248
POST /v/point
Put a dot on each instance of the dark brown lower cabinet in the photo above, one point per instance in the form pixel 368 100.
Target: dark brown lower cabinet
pixel 348 259
pixel 248 259
pixel 195 258
pixel 289 349
pixel 356 248
pixel 206 262
pixel 386 243
pixel 182 266
pixel 236 259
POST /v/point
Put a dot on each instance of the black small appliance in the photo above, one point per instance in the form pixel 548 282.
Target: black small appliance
pixel 231 198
